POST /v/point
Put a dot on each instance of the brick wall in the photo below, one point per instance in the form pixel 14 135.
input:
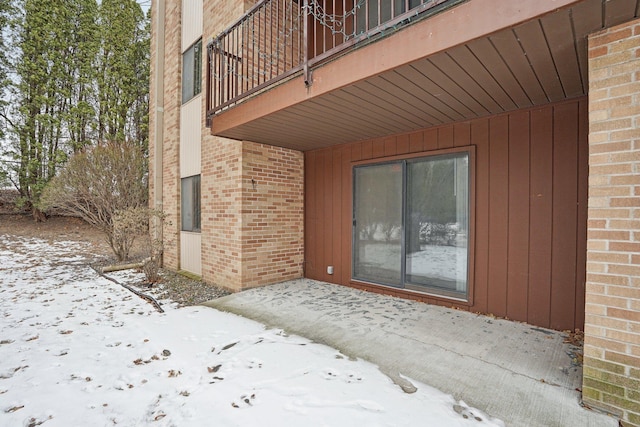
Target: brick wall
pixel 252 194
pixel 272 214
pixel 220 175
pixel 172 102
pixel 252 213
pixel 221 190
pixel 252 197
pixel 171 131
pixel 612 327
pixel 154 115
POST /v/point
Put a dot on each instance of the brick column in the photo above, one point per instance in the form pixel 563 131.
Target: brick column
pixel 252 213
pixel 221 205
pixel 272 214
pixel 252 196
pixel 612 325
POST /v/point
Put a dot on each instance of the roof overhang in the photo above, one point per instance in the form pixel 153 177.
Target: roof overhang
pixel 476 59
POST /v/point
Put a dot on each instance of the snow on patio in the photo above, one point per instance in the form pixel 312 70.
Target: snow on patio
pixel 77 349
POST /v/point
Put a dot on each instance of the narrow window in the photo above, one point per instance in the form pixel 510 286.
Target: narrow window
pixel 411 224
pixel 192 71
pixel 190 208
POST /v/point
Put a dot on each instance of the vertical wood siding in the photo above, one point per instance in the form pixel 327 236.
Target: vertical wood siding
pixel 190 137
pixel 190 252
pixel 530 210
pixel 192 12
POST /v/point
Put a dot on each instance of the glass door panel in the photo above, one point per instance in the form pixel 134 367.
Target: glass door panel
pixel 377 236
pixel 437 224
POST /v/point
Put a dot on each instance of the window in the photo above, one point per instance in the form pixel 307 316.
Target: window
pixel 192 71
pixel 190 203
pixel 411 224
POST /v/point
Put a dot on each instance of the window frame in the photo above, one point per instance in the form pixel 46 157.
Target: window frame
pixel 192 67
pixel 195 206
pixel 471 153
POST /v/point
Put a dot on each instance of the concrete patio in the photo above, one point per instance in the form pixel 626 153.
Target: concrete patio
pixel 524 375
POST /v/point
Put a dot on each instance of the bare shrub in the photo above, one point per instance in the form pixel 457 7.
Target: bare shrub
pixel 129 224
pixel 152 266
pixel 151 270
pixel 105 185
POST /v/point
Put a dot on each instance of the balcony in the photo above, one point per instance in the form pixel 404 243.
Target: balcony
pixel 307 74
pixel 279 38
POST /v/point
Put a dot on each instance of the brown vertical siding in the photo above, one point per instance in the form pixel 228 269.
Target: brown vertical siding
pixel 416 142
pixel 540 216
pixel 445 137
pixel 336 207
pixel 518 231
pixel 530 210
pixel 345 223
pixel 429 141
pixel 402 144
pixel 310 214
pixel 462 134
pixel 498 213
pixel 565 170
pixel 480 137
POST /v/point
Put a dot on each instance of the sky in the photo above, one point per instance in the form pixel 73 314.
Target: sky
pixel 77 349
pixel 146 4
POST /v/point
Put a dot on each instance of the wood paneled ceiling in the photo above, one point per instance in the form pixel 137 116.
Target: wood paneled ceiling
pixel 540 61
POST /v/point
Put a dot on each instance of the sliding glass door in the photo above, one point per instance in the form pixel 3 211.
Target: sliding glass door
pixel 411 224
pixel 378 223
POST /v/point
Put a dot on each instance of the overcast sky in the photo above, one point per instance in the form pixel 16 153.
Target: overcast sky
pixel 146 4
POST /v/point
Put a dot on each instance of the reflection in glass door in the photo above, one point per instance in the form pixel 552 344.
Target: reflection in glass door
pixel 437 224
pixel 378 223
pixel 411 224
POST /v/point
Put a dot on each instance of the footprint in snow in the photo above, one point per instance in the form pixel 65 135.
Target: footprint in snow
pixel 254 363
pixel 329 375
pixel 63 352
pixel 30 337
pixel 466 412
pixel 245 400
pixel 8 373
pixel 352 378
pixel 13 408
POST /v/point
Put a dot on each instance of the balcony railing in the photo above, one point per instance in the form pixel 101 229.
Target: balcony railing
pixel 276 39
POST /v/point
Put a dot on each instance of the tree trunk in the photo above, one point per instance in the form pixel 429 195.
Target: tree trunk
pixel 38 215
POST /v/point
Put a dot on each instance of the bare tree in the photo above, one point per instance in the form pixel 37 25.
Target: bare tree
pixel 106 186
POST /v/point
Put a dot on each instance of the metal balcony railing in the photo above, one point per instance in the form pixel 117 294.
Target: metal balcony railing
pixel 278 38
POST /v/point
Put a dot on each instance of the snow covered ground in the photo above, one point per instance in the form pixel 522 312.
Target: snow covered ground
pixel 77 349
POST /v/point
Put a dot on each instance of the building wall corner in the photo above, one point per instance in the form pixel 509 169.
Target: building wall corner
pixel 611 375
pixel 252 214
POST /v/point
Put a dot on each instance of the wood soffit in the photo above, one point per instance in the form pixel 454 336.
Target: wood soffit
pixel 536 62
